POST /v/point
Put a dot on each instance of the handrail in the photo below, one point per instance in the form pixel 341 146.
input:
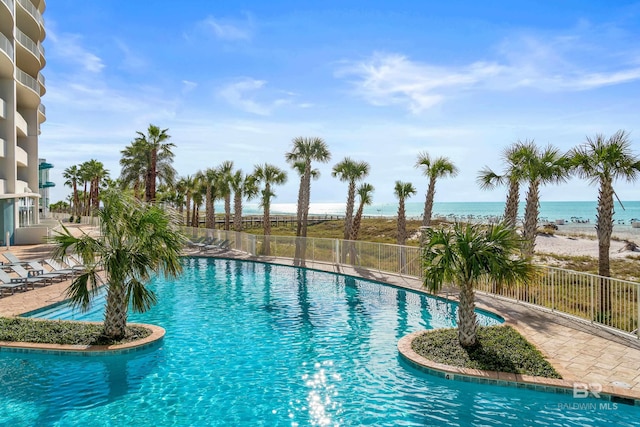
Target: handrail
pixel 26 41
pixel 32 10
pixel 27 80
pixel 605 301
pixel 7 46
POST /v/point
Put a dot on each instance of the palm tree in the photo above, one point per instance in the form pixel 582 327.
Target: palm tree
pixel 210 178
pixel 603 161
pixel 364 192
pixel 198 195
pixel 513 156
pixel 268 175
pixel 72 176
pixel 350 171
pixel 96 174
pixel 226 170
pixel 439 167
pixel 467 254
pixel 159 153
pixel 136 242
pixel 186 185
pixel 402 190
pixel 134 164
pixel 243 186
pixel 540 167
pixel 306 150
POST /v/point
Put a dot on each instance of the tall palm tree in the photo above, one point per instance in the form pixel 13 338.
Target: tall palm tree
pixel 402 190
pixel 513 157
pixel 85 176
pixel 268 175
pixel 159 152
pixel 226 171
pixel 136 242
pixel 540 167
pixel 466 254
pixel 350 171
pixel 365 193
pixel 186 185
pixel 96 175
pixel 72 176
pixel 210 178
pixel 244 187
pixel 603 161
pixel 134 165
pixel 305 151
pixel 198 195
pixel 439 167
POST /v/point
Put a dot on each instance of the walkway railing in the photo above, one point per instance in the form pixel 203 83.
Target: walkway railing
pixel 600 300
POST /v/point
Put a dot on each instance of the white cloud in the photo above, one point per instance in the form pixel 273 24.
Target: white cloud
pixel 551 64
pixel 227 30
pixel 242 95
pixel 69 48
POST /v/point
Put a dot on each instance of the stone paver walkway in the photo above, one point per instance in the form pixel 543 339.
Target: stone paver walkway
pixel 581 352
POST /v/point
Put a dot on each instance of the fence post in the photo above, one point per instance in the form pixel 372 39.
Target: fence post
pixel 592 302
pixel 638 301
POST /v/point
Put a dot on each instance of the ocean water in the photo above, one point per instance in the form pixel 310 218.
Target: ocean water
pixel 549 211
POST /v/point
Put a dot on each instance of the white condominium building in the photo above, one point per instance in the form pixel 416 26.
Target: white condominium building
pixel 21 113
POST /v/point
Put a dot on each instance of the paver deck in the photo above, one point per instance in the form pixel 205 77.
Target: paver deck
pixel 579 351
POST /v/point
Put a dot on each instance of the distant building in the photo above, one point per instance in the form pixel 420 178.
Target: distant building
pixel 21 113
pixel 44 185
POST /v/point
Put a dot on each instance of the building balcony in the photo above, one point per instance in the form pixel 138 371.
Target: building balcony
pixel 21 157
pixel 42 113
pixel 47 184
pixel 28 89
pixel 21 125
pixel 6 57
pixel 8 5
pixel 28 54
pixel 3 148
pixel 45 165
pixel 43 87
pixel 35 17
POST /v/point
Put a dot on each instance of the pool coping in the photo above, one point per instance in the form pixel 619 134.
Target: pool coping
pixel 157 334
pixel 552 385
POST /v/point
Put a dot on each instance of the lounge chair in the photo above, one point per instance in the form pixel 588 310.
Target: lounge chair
pixel 38 277
pixel 14 260
pixel 12 283
pixel 57 268
pixel 224 244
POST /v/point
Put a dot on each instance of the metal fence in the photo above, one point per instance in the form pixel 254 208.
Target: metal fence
pixel 600 300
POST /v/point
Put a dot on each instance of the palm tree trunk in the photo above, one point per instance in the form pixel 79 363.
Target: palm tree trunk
pixel 355 230
pixel 511 206
pixel 151 192
pixel 237 211
pixel 530 227
pixel 467 323
pixel 266 221
pixel 351 201
pixel 604 229
pixel 116 312
pixel 188 209
pixel 428 202
pixel 402 223
pixel 227 211
pixel 209 208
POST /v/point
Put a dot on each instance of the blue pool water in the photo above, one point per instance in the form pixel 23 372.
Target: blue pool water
pixel 257 344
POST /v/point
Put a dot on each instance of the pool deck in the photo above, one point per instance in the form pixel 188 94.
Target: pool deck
pixel 580 352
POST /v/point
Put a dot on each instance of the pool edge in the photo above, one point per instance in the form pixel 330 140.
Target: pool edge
pixel 550 385
pixel 157 334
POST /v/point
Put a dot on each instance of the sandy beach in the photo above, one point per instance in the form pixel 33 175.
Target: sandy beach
pixel 580 240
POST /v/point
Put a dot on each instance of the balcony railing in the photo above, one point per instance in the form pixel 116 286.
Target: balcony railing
pixel 27 80
pixel 25 41
pixel 7 46
pixel 600 300
pixel 33 11
pixel 42 109
pixel 10 5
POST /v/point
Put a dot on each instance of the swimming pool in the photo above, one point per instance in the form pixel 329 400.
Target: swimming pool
pixel 259 344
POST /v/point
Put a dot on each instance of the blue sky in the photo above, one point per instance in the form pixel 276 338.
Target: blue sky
pixel 380 81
